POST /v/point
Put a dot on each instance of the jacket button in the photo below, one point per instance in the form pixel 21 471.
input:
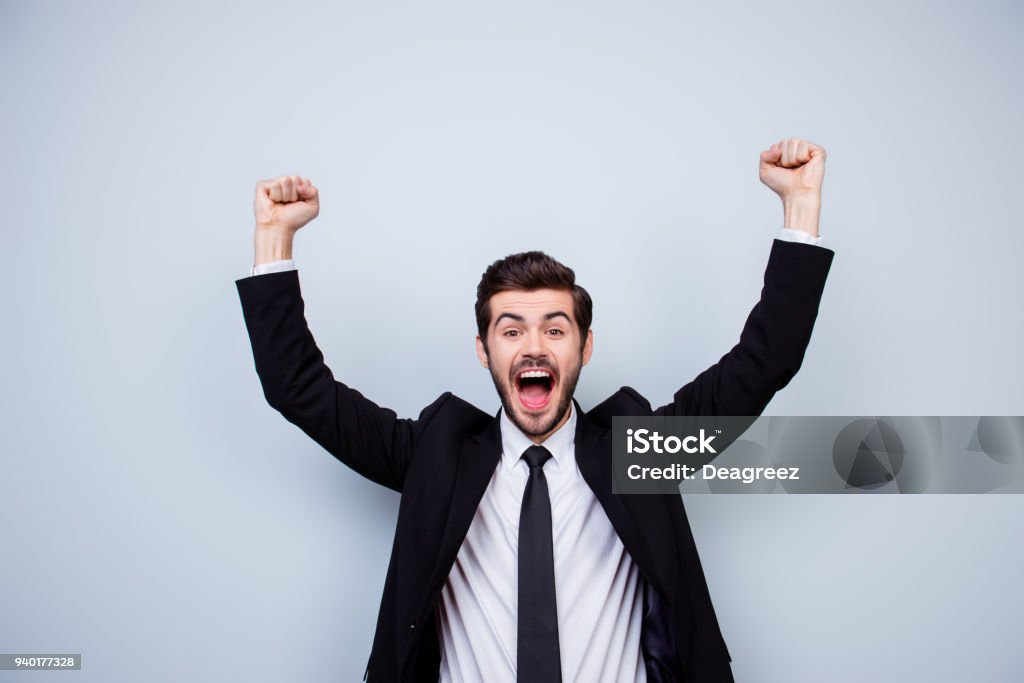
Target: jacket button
pixel 412 629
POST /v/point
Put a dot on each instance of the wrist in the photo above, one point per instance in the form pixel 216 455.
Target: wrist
pixel 272 244
pixel 802 212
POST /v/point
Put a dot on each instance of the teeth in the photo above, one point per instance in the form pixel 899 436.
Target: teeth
pixel 535 373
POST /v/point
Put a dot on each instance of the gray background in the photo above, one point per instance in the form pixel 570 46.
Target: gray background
pixel 159 518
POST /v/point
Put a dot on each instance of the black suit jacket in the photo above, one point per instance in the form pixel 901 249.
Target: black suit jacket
pixel 442 461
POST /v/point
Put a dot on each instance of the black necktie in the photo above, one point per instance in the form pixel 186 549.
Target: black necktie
pixel 537 652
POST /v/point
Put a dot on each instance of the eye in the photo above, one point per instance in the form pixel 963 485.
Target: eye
pixel 511 333
pixel 556 332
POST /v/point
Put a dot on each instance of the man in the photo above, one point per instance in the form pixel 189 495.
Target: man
pixel 512 559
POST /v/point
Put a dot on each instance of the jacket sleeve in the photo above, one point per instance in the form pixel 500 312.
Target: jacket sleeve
pixel 296 382
pixel 773 341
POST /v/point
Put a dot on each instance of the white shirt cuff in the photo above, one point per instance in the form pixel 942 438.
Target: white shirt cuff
pixel 273 267
pixel 791 235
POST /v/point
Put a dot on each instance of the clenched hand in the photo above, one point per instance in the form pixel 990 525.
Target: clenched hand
pixel 282 206
pixel 792 167
pixel 285 203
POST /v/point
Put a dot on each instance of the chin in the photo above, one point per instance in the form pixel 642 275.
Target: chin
pixel 536 423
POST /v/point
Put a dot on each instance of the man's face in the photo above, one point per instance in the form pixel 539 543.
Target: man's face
pixel 533 354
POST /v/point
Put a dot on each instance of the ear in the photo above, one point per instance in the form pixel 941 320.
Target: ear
pixel 480 352
pixel 588 347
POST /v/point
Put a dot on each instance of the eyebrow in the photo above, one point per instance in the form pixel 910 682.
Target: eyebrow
pixel 519 318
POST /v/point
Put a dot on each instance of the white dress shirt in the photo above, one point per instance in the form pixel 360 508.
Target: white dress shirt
pixel 598 596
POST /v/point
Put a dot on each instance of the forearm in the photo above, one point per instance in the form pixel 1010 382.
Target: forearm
pixel 272 245
pixel 298 384
pixel 773 341
pixel 802 212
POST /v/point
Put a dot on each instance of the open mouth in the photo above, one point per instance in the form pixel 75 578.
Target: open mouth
pixel 534 387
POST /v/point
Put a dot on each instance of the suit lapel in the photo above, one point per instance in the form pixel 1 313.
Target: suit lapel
pixel 593 456
pixel 480 456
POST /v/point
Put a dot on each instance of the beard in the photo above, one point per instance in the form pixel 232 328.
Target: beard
pixel 536 425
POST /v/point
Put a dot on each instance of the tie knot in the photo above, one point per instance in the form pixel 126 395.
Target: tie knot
pixel 536 456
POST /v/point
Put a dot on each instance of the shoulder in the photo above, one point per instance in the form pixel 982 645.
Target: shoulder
pixel 455 413
pixel 625 401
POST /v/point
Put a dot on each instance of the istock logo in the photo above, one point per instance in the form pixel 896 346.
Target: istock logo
pixel 647 441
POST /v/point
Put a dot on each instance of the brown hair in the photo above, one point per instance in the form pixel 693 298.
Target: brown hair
pixel 528 271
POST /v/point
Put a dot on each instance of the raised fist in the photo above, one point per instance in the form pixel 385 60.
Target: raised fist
pixel 285 203
pixel 793 166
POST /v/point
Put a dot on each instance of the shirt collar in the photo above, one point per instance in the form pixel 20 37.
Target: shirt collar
pixel 514 442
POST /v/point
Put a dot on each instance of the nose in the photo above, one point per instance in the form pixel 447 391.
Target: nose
pixel 534 346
